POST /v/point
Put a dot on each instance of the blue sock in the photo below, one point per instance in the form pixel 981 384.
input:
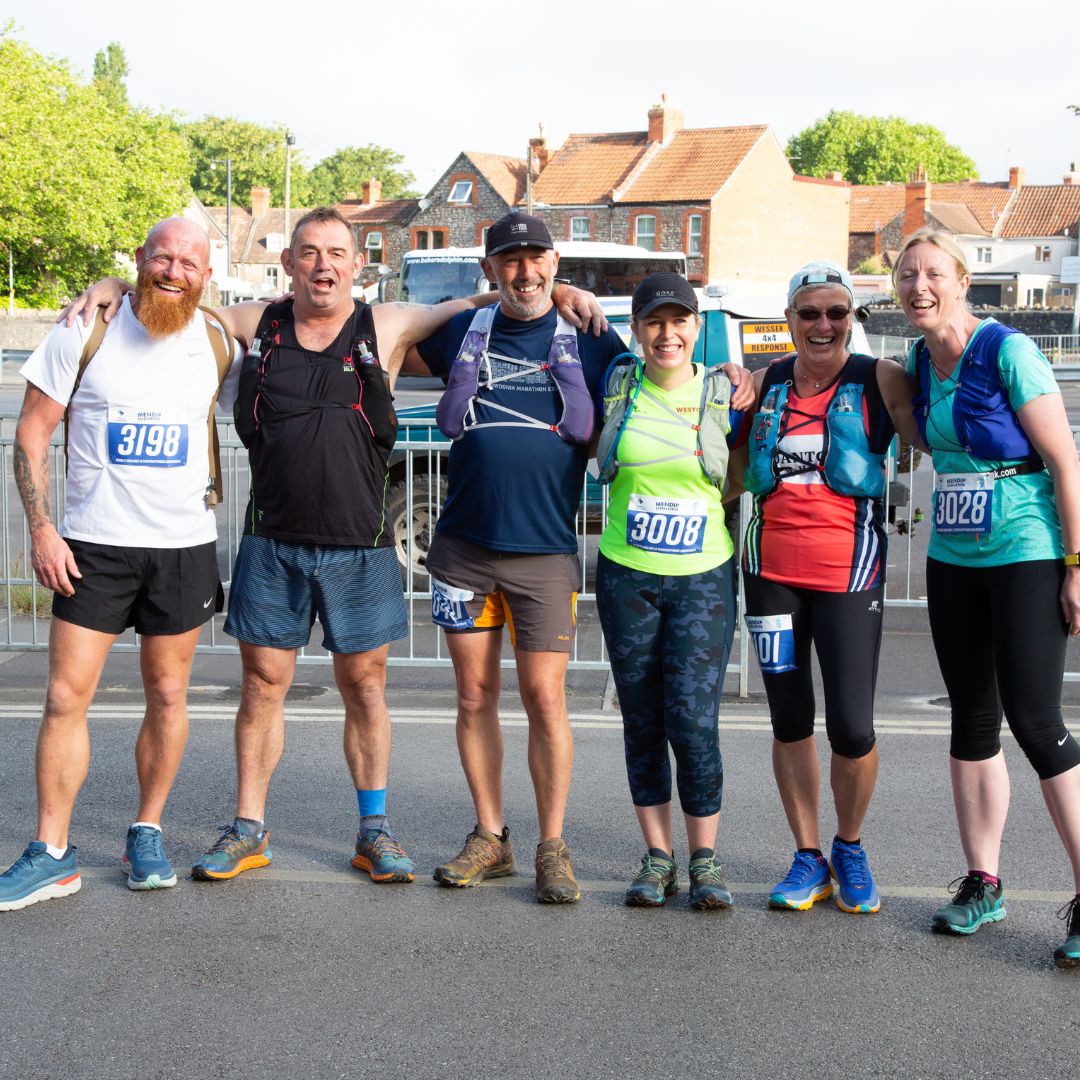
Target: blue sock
pixel 372 803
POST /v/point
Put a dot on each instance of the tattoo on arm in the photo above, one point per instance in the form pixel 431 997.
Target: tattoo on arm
pixel 34 494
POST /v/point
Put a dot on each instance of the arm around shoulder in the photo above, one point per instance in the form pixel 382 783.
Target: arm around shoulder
pixel 897 390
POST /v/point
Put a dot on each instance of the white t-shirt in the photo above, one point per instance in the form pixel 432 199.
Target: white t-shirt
pixel 138 460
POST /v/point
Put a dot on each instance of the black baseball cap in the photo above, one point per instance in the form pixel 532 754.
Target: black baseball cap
pixel 517 230
pixel 665 287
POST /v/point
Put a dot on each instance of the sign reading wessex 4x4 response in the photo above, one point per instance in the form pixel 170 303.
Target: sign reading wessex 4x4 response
pixel 764 340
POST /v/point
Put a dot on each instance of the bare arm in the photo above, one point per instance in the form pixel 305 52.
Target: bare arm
pixel 106 293
pixel 897 389
pixel 1047 426
pixel 54 565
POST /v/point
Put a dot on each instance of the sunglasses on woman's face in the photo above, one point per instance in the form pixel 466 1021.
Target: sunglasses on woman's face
pixel 833 314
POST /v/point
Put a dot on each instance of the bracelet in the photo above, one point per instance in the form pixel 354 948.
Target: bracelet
pixel 1072 560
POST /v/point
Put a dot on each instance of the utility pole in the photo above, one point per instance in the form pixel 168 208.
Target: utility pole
pixel 290 142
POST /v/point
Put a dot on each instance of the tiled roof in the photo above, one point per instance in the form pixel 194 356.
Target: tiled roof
pixel 694 165
pixel 985 201
pixel 249 235
pixel 874 206
pixel 586 167
pixel 1044 211
pixel 956 217
pixel 384 212
pixel 505 174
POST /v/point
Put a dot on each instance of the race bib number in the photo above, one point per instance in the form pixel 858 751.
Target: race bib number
pixel 963 503
pixel 448 606
pixel 147 437
pixel 671 526
pixel 774 642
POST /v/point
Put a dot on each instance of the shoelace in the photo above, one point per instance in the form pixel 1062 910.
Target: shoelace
pixel 148 842
pixel 555 864
pixel 971 887
pixel 654 869
pixel 709 871
pixel 1071 914
pixel 24 862
pixel 229 837
pixel 385 844
pixel 803 868
pixel 855 866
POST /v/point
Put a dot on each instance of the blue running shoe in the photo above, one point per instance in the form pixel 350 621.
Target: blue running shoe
pixel 144 860
pixel 233 852
pixel 1069 954
pixel 855 888
pixel 36 875
pixel 976 902
pixel 657 879
pixel 384 859
pixel 807 882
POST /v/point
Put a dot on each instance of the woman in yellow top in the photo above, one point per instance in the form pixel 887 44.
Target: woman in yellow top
pixel 665 583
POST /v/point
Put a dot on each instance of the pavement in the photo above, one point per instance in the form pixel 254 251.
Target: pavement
pixel 308 969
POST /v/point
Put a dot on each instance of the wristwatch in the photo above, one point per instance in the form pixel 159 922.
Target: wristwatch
pixel 1073 560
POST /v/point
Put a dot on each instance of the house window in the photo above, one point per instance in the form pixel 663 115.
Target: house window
pixel 271 277
pixel 984 255
pixel 580 228
pixel 429 239
pixel 693 234
pixel 275 241
pixel 1042 252
pixel 373 244
pixel 645 231
pixel 461 192
pixel 483 235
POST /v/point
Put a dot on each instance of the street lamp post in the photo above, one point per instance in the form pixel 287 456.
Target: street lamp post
pixel 290 142
pixel 228 212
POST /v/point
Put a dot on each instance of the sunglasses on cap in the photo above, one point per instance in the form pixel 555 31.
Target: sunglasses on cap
pixel 833 314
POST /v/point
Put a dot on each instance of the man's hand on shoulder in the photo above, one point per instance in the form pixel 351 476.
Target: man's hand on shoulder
pixel 743 394
pixel 107 293
pixel 579 308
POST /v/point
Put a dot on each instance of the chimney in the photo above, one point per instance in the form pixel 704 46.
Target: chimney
pixel 350 196
pixel 916 196
pixel 1071 177
pixel 834 175
pixel 664 121
pixel 260 200
pixel 372 191
pixel 1016 177
pixel 540 154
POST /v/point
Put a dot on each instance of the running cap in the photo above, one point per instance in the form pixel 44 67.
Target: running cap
pixel 517 230
pixel 665 287
pixel 820 273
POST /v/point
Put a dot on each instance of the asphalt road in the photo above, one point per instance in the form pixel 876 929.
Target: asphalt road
pixel 307 969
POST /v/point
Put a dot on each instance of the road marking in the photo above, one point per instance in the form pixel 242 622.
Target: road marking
pixel 280 875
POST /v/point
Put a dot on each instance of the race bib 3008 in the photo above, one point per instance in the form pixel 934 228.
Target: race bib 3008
pixel 148 437
pixel 963 503
pixel 671 526
pixel 774 642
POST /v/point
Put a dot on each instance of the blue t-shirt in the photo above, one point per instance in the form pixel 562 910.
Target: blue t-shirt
pixel 517 488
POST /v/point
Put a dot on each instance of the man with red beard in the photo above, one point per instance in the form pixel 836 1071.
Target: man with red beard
pixel 137 545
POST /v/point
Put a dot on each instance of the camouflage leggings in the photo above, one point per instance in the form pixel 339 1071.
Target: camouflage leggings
pixel 669 639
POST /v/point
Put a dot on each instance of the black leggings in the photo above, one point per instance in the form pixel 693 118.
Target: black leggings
pixel 1000 639
pixel 845 628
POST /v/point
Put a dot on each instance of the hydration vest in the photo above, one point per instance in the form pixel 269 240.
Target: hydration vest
pixel 456 412
pixel 624 381
pixel 985 423
pixel 852 462
pixel 256 395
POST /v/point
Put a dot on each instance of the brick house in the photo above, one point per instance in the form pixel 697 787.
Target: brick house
pixel 1013 234
pixel 381 225
pixel 727 197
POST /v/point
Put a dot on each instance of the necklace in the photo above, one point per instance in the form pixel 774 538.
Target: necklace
pixel 817 383
pixel 942 375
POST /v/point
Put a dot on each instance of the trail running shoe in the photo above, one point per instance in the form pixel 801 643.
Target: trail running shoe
pixel 707 889
pixel 384 859
pixel 1069 954
pixel 36 875
pixel 657 879
pixel 976 902
pixel 807 882
pixel 555 881
pixel 484 855
pixel 144 860
pixel 231 854
pixel 855 888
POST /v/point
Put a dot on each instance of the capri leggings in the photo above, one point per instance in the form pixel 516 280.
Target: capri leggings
pixel 845 628
pixel 668 639
pixel 1000 639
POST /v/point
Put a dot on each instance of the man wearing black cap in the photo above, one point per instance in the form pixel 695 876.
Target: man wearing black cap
pixel 505 549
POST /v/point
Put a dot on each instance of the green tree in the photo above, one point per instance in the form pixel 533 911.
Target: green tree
pixel 876 149
pixel 258 158
pixel 110 70
pixel 80 179
pixel 347 169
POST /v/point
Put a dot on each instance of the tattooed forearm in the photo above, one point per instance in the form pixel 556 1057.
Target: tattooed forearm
pixel 33 492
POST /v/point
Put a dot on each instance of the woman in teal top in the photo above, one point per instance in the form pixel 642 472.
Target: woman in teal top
pixel 1002 578
pixel 665 584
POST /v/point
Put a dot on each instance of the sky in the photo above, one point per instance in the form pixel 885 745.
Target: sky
pixel 430 79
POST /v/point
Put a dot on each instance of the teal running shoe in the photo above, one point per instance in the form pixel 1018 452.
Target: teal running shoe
pixel 144 860
pixel 36 876
pixel 382 857
pixel 233 852
pixel 708 892
pixel 807 882
pixel 855 889
pixel 976 902
pixel 1068 956
pixel 657 879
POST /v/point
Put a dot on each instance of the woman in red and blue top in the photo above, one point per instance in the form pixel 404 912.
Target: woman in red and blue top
pixel 814 572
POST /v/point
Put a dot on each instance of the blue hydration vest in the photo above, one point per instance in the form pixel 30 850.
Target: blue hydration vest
pixel 456 412
pixel 985 423
pixel 852 462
